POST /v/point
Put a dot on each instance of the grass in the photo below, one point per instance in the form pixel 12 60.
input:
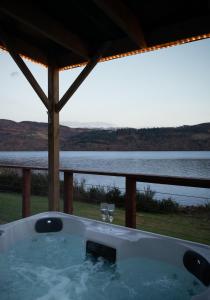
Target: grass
pixel 194 226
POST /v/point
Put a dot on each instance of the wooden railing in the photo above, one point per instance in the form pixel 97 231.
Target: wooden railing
pixel 131 180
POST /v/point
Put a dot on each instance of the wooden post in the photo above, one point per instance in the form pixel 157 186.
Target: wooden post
pixel 26 193
pixel 53 139
pixel 130 203
pixel 68 192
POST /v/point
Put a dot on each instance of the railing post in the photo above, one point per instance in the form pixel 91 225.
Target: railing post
pixel 68 192
pixel 130 202
pixel 26 205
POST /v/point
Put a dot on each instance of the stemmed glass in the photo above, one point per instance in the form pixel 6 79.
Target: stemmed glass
pixel 104 211
pixel 111 209
pixel 107 212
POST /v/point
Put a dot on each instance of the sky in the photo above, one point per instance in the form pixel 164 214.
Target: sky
pixel 167 87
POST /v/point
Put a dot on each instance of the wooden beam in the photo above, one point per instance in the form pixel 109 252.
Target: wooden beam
pixel 124 18
pixel 115 48
pixel 23 48
pixel 44 24
pixel 25 70
pixel 53 139
pixel 81 77
pixel 75 85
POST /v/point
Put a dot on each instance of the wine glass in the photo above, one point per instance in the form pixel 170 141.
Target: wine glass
pixel 104 211
pixel 111 209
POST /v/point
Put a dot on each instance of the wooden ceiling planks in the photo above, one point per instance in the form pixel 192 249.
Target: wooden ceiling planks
pixel 72 32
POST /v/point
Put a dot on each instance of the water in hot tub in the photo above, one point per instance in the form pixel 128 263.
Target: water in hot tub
pixel 54 267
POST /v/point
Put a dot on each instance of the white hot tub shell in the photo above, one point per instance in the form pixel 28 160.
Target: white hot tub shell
pixel 186 255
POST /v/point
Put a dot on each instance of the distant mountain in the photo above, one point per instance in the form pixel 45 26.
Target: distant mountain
pixel 101 125
pixel 33 136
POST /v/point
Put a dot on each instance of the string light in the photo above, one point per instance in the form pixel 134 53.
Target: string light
pixel 33 60
pixel 134 52
pixel 2 48
pixel 148 49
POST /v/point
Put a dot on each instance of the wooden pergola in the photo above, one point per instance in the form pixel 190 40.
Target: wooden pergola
pixel 68 34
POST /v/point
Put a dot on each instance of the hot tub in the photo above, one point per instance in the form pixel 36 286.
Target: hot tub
pixel 57 256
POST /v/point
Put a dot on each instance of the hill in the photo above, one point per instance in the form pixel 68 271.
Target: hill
pixel 32 136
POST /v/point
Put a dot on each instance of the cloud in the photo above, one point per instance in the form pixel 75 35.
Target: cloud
pixel 14 74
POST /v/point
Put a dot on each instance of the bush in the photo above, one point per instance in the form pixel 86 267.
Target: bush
pixel 39 184
pixel 79 190
pixel 114 195
pixel 145 201
pixel 168 205
pixel 11 180
pixel 96 194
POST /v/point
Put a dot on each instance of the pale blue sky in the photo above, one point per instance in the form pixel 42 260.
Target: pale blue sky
pixel 168 87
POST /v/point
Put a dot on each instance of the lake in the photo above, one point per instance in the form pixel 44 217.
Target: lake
pixel 174 163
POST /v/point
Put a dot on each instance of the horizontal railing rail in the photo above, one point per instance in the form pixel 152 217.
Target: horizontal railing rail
pixel 130 186
pixel 139 177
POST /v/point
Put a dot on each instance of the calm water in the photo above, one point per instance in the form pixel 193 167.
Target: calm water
pixel 31 270
pixel 175 163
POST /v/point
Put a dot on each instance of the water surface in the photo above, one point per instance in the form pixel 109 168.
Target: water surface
pixel 54 266
pixel 174 163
